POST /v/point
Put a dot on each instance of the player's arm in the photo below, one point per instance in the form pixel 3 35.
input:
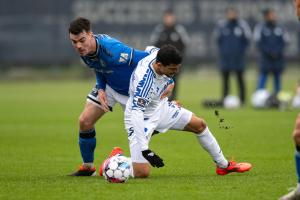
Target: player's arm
pixel 138 105
pixel 137 119
pixel 100 85
pixel 169 89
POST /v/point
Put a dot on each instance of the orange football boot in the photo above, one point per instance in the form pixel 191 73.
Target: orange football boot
pixel 234 167
pixel 84 171
pixel 115 151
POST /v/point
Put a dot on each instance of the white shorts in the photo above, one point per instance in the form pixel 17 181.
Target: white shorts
pixel 170 116
pixel 112 98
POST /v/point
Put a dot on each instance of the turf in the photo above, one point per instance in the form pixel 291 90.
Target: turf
pixel 38 146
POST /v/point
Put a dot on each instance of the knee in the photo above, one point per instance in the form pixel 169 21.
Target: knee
pixel 85 123
pixel 141 174
pixel 141 171
pixel 201 126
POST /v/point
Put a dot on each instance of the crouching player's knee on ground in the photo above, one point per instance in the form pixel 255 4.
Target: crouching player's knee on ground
pixel 141 170
pixel 196 125
pixel 296 132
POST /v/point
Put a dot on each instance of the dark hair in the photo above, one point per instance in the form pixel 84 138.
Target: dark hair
pixel 79 25
pixel 169 11
pixel 267 11
pixel 168 55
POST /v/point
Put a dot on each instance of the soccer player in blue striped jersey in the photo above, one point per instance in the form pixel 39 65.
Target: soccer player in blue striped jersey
pixel 113 63
pixel 148 110
pixel 295 194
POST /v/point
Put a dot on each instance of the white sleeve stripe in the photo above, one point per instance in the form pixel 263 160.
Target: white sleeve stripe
pixel 148 84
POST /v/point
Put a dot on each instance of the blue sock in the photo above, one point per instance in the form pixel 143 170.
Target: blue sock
pixel 87 144
pixel 277 82
pixel 262 80
pixel 297 159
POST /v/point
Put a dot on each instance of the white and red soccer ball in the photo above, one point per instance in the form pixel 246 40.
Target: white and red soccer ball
pixel 117 169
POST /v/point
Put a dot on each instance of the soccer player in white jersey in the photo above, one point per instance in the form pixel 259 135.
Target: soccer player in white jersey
pixel 147 111
pixel 295 194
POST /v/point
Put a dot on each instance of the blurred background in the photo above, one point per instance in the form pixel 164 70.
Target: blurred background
pixel 34 34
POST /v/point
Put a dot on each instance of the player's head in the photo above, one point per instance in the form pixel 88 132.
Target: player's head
pixel 81 36
pixel 169 19
pixel 297 7
pixel 231 14
pixel 168 61
pixel 269 15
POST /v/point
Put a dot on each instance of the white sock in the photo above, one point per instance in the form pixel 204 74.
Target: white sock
pixel 88 165
pixel 210 144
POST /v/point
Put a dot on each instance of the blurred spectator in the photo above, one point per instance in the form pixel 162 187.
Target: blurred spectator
pixel 271 40
pixel 298 33
pixel 170 32
pixel 233 36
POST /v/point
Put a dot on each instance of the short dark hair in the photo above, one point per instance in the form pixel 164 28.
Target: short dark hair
pixel 79 25
pixel 168 55
pixel 267 11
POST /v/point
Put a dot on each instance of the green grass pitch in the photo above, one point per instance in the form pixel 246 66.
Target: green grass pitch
pixel 38 146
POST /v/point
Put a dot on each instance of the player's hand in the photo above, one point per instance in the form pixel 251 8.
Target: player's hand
pixel 103 100
pixel 168 91
pixel 152 158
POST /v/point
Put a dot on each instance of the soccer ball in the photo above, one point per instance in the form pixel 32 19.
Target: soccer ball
pixel 296 101
pixel 117 169
pixel 259 98
pixel 231 102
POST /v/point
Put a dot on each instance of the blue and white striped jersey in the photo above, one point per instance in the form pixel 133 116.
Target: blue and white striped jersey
pixel 145 91
pixel 113 63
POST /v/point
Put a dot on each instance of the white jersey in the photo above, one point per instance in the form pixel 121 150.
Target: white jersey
pixel 145 91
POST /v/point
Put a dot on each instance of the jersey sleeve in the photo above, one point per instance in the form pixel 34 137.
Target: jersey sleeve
pixel 140 100
pixel 151 49
pixel 100 81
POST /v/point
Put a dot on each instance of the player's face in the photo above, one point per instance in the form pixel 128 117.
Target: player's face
pixel 83 42
pixel 231 15
pixel 297 7
pixel 169 70
pixel 169 20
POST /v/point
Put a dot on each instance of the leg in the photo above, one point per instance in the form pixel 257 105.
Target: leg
pixel 225 81
pixel 295 194
pixel 207 140
pixel 87 140
pixel 296 137
pixel 141 167
pixel 210 144
pixel 262 79
pixel 277 82
pixel 141 170
pixel 241 85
